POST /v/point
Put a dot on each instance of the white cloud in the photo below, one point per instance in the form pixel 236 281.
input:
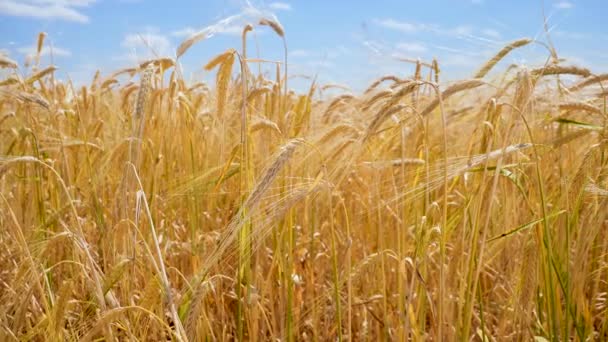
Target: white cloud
pixel 142 46
pixel 408 27
pixel 491 33
pixel 280 6
pixel 401 26
pixel 231 29
pixel 570 35
pixel 563 4
pixel 412 47
pixel 458 61
pixel 300 53
pixel 30 51
pixel 321 64
pixel 185 32
pixel 462 30
pixel 46 9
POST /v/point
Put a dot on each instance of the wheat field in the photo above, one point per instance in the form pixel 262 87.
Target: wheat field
pixel 141 207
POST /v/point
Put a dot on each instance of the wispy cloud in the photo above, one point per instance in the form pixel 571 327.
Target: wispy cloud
pixel 300 53
pixel 141 46
pixel 412 47
pixel 185 32
pixel 564 5
pixel 409 27
pixel 280 6
pixel 401 26
pixel 68 10
pixel 571 35
pixel 30 51
pixel 491 33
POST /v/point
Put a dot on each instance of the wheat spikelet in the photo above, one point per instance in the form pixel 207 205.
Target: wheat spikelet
pixel 40 74
pixel 39 45
pixel 335 86
pixel 252 201
pixel 589 162
pixel 161 64
pixel 560 70
pixel 570 137
pixel 217 60
pixel 453 89
pixel 436 70
pixel 12 79
pixel 528 281
pixel 380 117
pixel 284 155
pixel 524 87
pixel 394 162
pixel 130 71
pixel 108 83
pixel 57 317
pixel 418 71
pixel 142 95
pixel 335 104
pixel 588 81
pixel 261 123
pixel 225 62
pixel 337 130
pixel 276 27
pixel 500 55
pixel 409 87
pixel 377 82
pixel 28 97
pixel 580 106
pixel 186 44
pixel 380 95
pixel 6 62
pixel 138 119
pixel 222 83
pixel 195 310
pixel 593 189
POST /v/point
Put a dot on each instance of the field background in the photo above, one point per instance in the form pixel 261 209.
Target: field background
pixel 145 207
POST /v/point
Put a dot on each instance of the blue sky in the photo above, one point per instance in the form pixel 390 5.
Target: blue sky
pixel 346 42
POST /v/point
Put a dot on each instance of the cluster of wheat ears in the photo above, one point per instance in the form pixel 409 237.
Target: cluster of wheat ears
pixel 416 210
